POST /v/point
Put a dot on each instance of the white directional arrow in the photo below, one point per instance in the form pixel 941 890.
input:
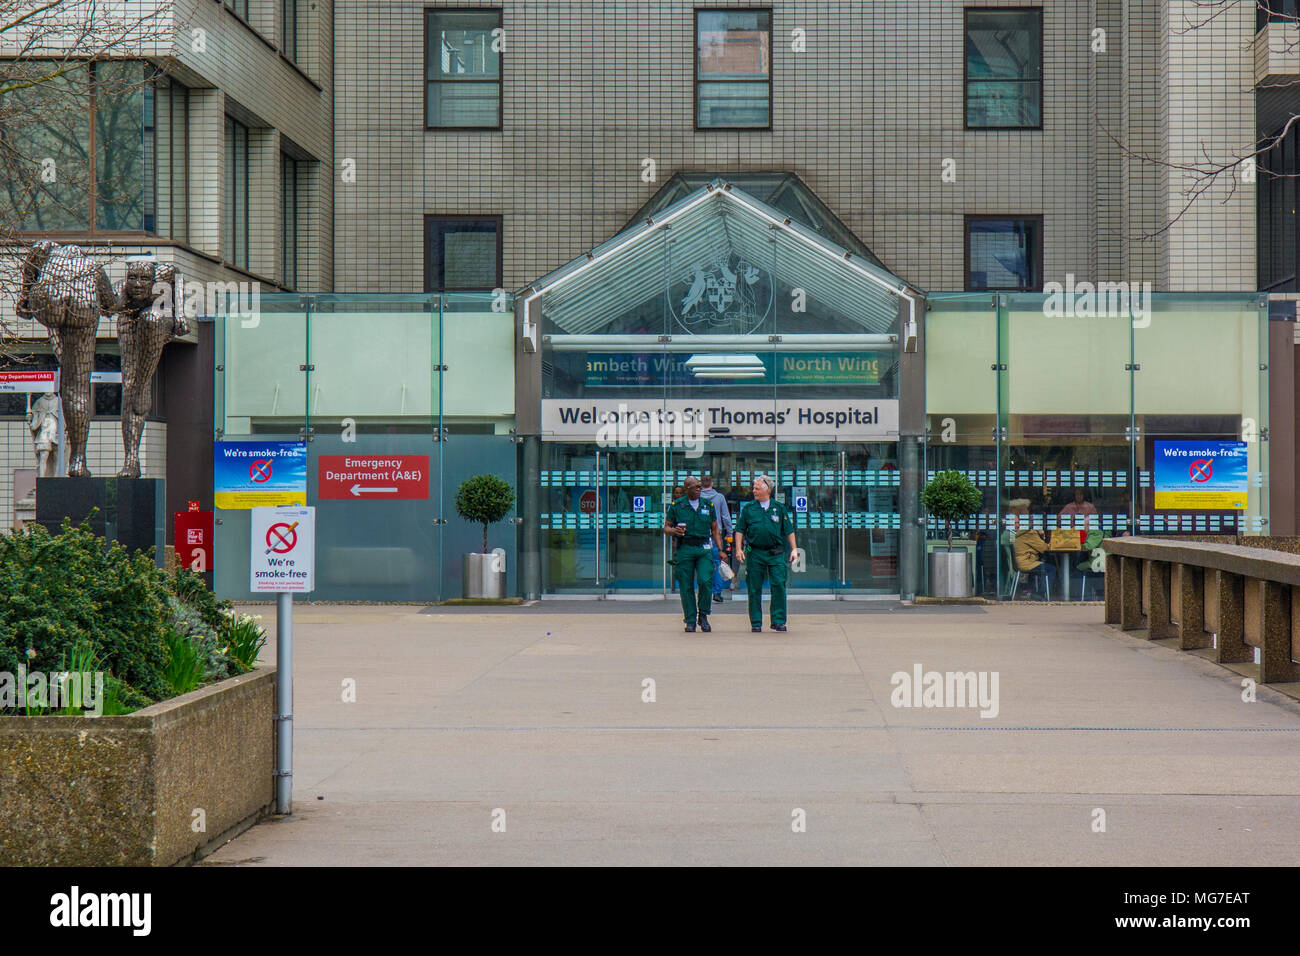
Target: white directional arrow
pixel 358 491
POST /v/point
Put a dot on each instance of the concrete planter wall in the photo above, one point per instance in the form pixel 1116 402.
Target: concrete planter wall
pixel 122 791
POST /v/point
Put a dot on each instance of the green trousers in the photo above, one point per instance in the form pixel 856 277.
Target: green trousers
pixel 694 579
pixel 775 568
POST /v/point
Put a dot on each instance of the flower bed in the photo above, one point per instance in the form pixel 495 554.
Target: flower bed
pixel 135 725
pixel 86 628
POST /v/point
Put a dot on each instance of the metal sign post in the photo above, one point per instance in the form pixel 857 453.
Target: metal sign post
pixel 284 703
pixel 282 561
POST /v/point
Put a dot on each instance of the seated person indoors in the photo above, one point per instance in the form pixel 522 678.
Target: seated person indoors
pixel 1027 545
pixel 1079 506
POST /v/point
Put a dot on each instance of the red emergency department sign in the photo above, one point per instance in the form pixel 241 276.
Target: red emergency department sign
pixel 193 539
pixel 373 477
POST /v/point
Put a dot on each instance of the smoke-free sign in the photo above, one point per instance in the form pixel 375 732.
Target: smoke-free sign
pixel 1201 475
pixel 283 550
pixel 252 474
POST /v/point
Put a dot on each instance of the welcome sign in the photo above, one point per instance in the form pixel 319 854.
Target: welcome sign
pixel 651 421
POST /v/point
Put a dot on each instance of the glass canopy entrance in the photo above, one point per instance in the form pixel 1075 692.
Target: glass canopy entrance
pixel 718 337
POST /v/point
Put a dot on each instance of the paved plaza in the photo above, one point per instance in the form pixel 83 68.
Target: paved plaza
pixel 524 736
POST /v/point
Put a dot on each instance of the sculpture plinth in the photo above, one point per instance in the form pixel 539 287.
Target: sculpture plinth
pixel 129 511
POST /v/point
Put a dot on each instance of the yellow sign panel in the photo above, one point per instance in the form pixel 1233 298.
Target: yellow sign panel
pixel 1200 500
pixel 239 500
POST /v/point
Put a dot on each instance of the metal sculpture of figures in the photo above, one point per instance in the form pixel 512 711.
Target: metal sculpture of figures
pixel 43 423
pixel 67 293
pixel 150 313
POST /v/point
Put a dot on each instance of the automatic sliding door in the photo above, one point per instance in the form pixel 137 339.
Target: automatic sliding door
pixel 632 519
pixel 810 484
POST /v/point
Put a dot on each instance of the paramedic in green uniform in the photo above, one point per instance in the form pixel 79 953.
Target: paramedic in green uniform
pixel 765 527
pixel 692 521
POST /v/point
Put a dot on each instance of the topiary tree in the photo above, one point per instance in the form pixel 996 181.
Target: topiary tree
pixel 951 496
pixel 485 500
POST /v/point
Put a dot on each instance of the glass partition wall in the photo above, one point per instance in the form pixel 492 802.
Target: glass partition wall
pixel 427 380
pixel 1056 406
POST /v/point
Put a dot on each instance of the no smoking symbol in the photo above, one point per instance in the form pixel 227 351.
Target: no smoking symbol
pixel 281 537
pixel 1201 470
pixel 260 471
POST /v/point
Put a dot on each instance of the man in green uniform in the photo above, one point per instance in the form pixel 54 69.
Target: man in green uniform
pixel 692 521
pixel 765 526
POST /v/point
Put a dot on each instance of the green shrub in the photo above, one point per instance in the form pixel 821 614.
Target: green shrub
pixel 191 590
pixel 246 641
pixel 185 665
pixel 485 500
pixel 70 587
pixel 951 496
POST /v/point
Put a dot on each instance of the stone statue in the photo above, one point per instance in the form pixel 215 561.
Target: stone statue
pixel 43 423
pixel 67 293
pixel 150 311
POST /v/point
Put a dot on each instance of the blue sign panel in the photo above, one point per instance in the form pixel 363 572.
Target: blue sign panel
pixel 258 474
pixel 1201 475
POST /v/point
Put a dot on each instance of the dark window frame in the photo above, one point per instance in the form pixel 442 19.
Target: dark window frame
pixel 965 66
pixel 92 230
pixel 695 68
pixel 1275 11
pixel 228 209
pixel 431 219
pixel 289 29
pixel 501 71
pixel 1037 219
pixel 1279 173
pixel 290 220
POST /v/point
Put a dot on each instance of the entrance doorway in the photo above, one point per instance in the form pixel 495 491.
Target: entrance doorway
pixel 602 512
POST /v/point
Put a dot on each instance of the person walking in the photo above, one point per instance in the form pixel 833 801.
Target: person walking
pixel 766 527
pixel 722 514
pixel 692 521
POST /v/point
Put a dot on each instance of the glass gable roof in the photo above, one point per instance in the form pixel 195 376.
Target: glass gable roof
pixel 780 190
pixel 719 261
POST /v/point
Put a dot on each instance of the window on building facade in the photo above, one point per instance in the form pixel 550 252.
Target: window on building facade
pixel 289 174
pixel 1004 253
pixel 733 69
pixel 462 253
pixel 1276 11
pixel 289 14
pixel 1004 68
pixel 234 225
pixel 138 179
pixel 240 7
pixel 463 69
pixel 106 396
pixel 1278 226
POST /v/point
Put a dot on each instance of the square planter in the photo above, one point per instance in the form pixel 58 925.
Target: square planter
pixel 123 791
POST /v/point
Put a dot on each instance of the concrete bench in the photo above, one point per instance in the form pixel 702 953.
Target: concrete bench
pixel 1232 598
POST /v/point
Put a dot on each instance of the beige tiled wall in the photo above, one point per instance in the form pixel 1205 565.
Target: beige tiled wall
pixel 866 116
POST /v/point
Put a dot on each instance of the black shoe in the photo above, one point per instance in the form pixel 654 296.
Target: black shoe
pixel 778 627
pixel 690 628
pixel 704 624
pixel 757 629
pixel 718 599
